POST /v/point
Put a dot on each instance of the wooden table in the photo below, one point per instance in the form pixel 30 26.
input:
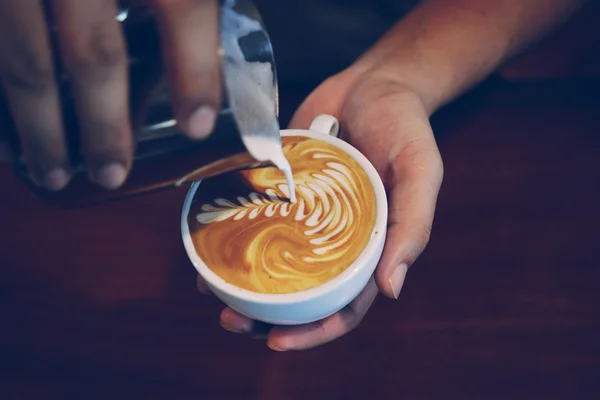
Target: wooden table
pixel 503 304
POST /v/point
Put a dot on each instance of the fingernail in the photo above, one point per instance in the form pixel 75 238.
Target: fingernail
pixel 396 279
pixel 228 329
pixel 275 348
pixel 240 329
pixel 56 179
pixel 202 122
pixel 111 176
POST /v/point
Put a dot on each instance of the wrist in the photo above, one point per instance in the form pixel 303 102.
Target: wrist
pixel 404 73
pixel 442 49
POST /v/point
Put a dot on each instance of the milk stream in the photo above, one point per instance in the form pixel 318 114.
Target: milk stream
pixel 253 94
pixel 284 166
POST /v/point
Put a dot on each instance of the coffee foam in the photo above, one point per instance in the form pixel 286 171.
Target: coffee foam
pixel 247 232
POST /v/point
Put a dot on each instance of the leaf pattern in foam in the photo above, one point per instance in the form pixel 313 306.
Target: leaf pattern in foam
pixel 250 207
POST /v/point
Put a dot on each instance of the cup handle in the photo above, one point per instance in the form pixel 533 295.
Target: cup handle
pixel 325 124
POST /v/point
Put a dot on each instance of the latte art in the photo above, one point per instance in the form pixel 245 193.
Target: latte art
pixel 247 232
pixel 317 200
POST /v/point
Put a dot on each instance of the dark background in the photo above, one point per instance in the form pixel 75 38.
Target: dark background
pixel 504 303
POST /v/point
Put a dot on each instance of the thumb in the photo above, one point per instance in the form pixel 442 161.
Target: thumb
pixel 390 126
pixel 416 177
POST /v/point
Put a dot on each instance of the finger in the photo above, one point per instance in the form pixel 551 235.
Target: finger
pixel 415 179
pixel 28 78
pixel 93 51
pixel 233 321
pixel 318 333
pixel 190 33
pixel 202 286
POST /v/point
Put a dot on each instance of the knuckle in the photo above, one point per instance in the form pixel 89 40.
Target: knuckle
pixel 24 70
pixel 102 51
pixel 424 236
pixel 437 164
pixel 440 170
pixel 331 331
pixel 378 89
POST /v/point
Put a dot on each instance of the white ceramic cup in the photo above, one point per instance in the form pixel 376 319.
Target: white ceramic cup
pixel 318 302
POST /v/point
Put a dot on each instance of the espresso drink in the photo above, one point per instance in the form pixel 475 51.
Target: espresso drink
pixel 246 230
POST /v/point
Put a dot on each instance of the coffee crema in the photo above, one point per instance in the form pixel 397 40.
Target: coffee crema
pixel 248 233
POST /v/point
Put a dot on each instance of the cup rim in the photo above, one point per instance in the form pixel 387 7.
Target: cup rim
pixel 377 235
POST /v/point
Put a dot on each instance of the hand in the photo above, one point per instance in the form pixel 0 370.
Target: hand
pixel 92 49
pixel 389 124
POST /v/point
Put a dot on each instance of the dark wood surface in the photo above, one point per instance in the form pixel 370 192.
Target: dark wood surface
pixel 503 304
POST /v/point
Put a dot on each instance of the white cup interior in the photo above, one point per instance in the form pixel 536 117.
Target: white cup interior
pixel 323 128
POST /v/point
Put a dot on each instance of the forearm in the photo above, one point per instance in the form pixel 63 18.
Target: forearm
pixel 444 47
